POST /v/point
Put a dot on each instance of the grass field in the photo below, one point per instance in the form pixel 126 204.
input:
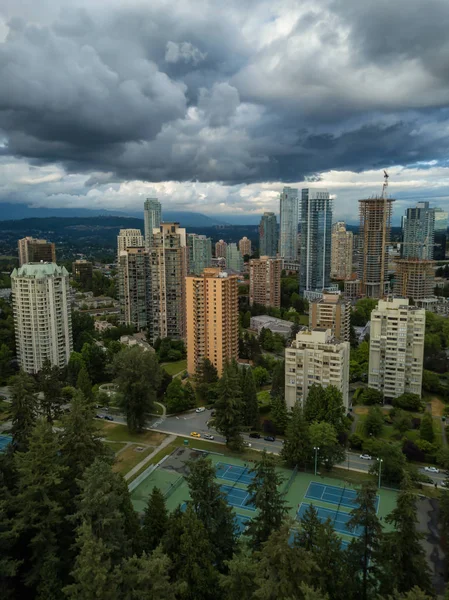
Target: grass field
pixel 174 368
pixel 130 457
pixel 115 432
pixel 116 446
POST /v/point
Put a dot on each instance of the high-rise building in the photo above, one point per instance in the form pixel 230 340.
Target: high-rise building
pixel 135 287
pixel 152 218
pixel 333 312
pixel 234 259
pixel 315 357
pixel 418 232
pixel 245 246
pixel 341 254
pixel 32 250
pixel 265 281
pixel 440 228
pixel 268 235
pixel 212 319
pixel 200 253
pixel 352 288
pixel 129 238
pixel 396 350
pixel 220 249
pixel 42 317
pixel 414 278
pixel 289 217
pixel 316 240
pixel 375 228
pixel 82 272
pixel 168 267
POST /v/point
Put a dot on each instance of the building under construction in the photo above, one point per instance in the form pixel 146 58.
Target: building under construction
pixel 375 228
pixel 414 278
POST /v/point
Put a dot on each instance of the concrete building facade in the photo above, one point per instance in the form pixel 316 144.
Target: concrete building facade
pixel 396 351
pixel 333 312
pixel 414 278
pixel 316 240
pixel 168 269
pixel 268 235
pixel 42 318
pixel 82 272
pixel 245 246
pixel 33 250
pixel 418 232
pixel 212 319
pixel 200 253
pixel 234 259
pixel 152 215
pixel 220 249
pixel 135 287
pixel 316 357
pixel 265 281
pixel 289 218
pixel 129 238
pixel 341 253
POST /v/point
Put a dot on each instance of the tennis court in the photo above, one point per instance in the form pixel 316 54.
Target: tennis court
pixel 234 473
pixel 237 497
pixel 242 522
pixel 338 519
pixel 4 441
pixel 334 495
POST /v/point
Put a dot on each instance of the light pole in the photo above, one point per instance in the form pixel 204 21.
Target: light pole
pixel 316 457
pixel 380 460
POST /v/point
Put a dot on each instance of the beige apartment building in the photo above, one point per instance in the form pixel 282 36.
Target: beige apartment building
pixel 129 238
pixel 315 357
pixel 396 348
pixel 414 278
pixel 333 312
pixel 33 250
pixel 341 254
pixel 168 270
pixel 265 281
pixel 134 287
pixel 220 249
pixel 42 317
pixel 212 319
pixel 245 246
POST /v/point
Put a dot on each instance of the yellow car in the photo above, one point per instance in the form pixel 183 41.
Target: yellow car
pixel 195 434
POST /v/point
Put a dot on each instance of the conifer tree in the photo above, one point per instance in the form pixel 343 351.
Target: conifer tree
pixel 23 410
pixel 84 383
pixel 310 529
pixel 426 431
pixel 297 449
pixel 228 407
pixel 279 414
pixel 278 380
pixel 239 581
pixel 251 417
pixel 155 521
pixel 50 386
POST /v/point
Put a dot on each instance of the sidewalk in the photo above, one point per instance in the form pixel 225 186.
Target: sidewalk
pixel 168 440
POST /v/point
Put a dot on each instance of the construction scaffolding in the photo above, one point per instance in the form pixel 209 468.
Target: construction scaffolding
pixel 414 278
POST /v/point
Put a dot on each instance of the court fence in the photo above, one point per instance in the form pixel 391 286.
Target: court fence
pixel 290 480
pixel 138 480
pixel 174 486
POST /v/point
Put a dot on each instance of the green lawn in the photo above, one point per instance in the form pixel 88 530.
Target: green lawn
pixel 303 319
pixel 173 368
pixel 158 410
pixel 115 432
pixel 115 446
pixel 130 457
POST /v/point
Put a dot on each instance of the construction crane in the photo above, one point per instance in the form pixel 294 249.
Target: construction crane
pixel 385 185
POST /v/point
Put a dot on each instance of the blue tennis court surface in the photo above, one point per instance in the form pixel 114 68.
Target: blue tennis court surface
pixel 334 495
pixel 338 519
pixel 237 497
pixel 234 473
pixel 242 522
pixel 4 441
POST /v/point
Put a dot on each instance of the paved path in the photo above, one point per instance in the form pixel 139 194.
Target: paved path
pixel 168 440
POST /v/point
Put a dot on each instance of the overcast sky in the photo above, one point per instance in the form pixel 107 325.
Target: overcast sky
pixel 214 105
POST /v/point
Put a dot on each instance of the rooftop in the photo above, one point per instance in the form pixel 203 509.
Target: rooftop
pixel 41 269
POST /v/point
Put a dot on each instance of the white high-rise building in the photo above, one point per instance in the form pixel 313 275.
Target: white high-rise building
pixel 42 318
pixel 129 238
pixel 152 213
pixel 396 350
pixel 289 216
pixel 315 357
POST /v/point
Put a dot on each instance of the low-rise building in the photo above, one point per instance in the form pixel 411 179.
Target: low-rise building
pixel 138 339
pixel 274 325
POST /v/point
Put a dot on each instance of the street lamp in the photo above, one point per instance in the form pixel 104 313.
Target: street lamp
pixel 316 457
pixel 380 460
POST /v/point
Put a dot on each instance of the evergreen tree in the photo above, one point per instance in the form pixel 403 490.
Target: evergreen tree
pixel 310 529
pixel 228 407
pixel 404 558
pixel 374 422
pixel 324 436
pixel 206 372
pixel 265 494
pixel 155 521
pixel 50 386
pixel 278 381
pixel 325 404
pixel 335 579
pixel 9 551
pixel 40 514
pixel 6 357
pixel 297 449
pixel 239 582
pixel 426 431
pixel 212 510
pixel 251 417
pixel 23 410
pixel 84 384
pixel 138 378
pixel 94 358
pixel 146 578
pixel 279 414
pixel 365 549
pixel 179 397
pixel 74 366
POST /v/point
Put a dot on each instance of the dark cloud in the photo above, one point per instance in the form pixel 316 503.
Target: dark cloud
pixel 241 93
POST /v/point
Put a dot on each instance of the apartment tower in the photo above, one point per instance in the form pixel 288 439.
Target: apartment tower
pixel 220 249
pixel 414 278
pixel 375 227
pixel 316 240
pixel 42 317
pixel 396 350
pixel 129 238
pixel 168 270
pixel 212 319
pixel 333 312
pixel 268 235
pixel 32 250
pixel 341 253
pixel 82 272
pixel 245 246
pixel 135 287
pixel 200 252
pixel 265 281
pixel 234 258
pixel 289 217
pixel 418 232
pixel 315 357
pixel 152 214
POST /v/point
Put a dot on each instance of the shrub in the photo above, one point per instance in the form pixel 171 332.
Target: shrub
pixel 355 441
pixel 408 402
pixel 412 452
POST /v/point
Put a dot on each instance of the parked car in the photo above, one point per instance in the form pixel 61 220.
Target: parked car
pixel 366 457
pixel 255 435
pixel 431 469
pixel 208 436
pixel 108 418
pixel 195 434
pixel 99 416
pixel 200 409
pixel 247 444
pixel 269 438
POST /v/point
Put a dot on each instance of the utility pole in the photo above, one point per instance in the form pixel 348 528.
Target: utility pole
pixel 316 458
pixel 380 460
